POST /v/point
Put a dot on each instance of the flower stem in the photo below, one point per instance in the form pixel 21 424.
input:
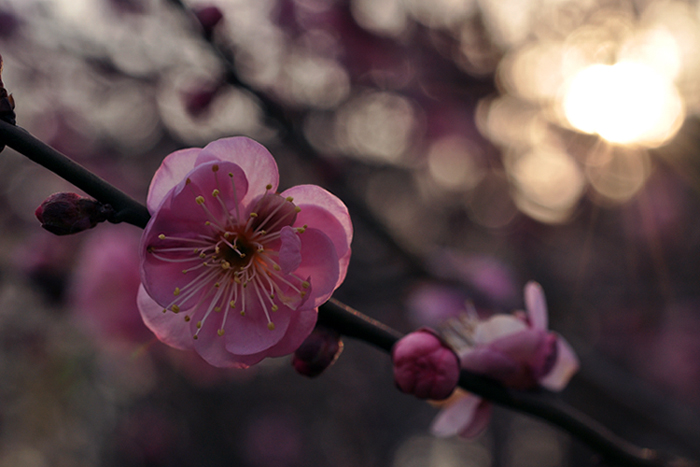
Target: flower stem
pixel 354 324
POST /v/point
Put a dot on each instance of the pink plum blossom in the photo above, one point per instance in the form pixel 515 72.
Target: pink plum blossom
pixel 424 365
pixel 516 350
pixel 231 268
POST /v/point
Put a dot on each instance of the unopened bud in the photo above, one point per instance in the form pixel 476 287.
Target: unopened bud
pixel 319 351
pixel 198 99
pixel 425 366
pixel 69 213
pixel 209 17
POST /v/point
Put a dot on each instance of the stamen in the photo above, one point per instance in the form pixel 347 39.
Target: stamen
pixel 235 197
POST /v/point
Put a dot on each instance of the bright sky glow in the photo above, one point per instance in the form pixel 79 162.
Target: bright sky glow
pixel 625 103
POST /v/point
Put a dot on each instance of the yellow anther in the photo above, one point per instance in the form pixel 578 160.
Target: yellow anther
pixel 242 313
pixel 217 309
pixel 199 199
pixel 232 304
pixel 202 255
pixel 199 325
pixel 272 296
pixel 177 291
pixel 161 236
pixel 188 181
pixel 215 193
pixel 303 293
pixel 215 168
pixel 220 332
pixel 261 250
pixel 149 249
pixel 271 326
pixel 269 186
pixel 227 234
pixel 275 308
pixel 305 284
pixel 164 310
pixel 187 318
pixel 277 267
pixel 207 222
pixel 297 209
pixel 217 285
pixel 237 280
pixel 175 308
pixel 184 271
pixel 225 265
pixel 230 174
pixel 253 214
pixel 289 198
pixel 195 337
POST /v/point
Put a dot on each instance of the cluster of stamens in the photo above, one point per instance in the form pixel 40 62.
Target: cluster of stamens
pixel 233 259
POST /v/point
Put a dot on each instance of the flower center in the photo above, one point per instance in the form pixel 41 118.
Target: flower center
pixel 234 262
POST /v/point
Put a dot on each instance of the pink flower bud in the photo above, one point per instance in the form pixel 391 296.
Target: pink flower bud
pixel 198 100
pixel 319 351
pixel 69 213
pixel 209 17
pixel 425 366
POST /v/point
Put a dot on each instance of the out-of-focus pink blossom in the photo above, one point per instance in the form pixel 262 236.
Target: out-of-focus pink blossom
pixel 484 274
pixel 516 350
pixel 231 268
pixel 424 365
pixel 429 304
pixel 106 281
pixel 319 351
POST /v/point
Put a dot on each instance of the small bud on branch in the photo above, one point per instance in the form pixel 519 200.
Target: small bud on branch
pixel 69 213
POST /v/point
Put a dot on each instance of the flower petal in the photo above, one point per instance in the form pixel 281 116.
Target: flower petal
pixel 479 422
pixel 256 161
pixel 492 363
pixel 566 366
pixel 168 327
pixel 496 327
pixel 319 263
pixel 466 417
pixel 172 171
pixel 290 250
pixel 249 334
pixel 301 325
pixel 324 211
pixel 212 347
pixel 536 305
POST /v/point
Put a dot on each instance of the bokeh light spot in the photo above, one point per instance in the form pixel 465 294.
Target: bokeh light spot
pixel 625 103
pixel 549 184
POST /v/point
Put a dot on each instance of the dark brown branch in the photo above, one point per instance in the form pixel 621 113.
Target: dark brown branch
pixel 126 208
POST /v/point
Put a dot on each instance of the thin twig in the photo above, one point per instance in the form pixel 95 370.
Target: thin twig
pixel 126 208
